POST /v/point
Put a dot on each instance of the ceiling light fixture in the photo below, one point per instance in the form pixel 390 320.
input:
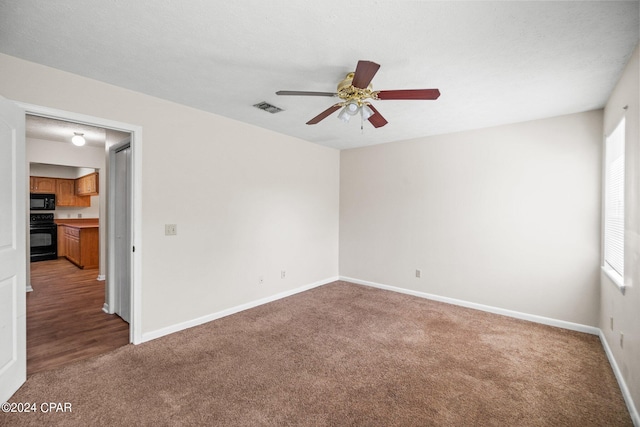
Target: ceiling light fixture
pixel 343 115
pixel 350 109
pixel 354 107
pixel 78 139
pixel 366 112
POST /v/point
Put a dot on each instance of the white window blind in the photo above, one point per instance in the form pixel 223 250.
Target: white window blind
pixel 614 200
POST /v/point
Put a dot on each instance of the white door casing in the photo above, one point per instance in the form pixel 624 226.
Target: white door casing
pixel 135 325
pixel 13 255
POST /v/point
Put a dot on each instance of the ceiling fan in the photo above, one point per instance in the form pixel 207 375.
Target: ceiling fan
pixel 355 91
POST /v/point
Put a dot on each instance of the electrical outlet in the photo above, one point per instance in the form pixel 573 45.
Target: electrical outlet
pixel 283 274
pixel 418 273
pixel 260 280
pixel 621 340
pixel 611 322
pixel 170 229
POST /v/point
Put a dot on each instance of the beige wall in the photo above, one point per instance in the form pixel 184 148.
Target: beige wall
pixel 247 202
pixel 625 308
pixel 507 217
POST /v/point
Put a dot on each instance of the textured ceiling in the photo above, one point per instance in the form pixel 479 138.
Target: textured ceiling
pixel 494 62
pixel 62 131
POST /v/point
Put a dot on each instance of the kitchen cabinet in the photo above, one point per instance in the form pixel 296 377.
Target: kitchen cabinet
pixel 41 184
pixel 69 192
pixel 87 185
pixel 66 194
pixel 79 244
pixel 72 246
pixel 64 189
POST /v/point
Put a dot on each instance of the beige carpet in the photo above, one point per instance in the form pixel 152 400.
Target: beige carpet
pixel 341 355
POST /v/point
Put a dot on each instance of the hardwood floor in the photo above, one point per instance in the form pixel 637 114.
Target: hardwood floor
pixel 65 321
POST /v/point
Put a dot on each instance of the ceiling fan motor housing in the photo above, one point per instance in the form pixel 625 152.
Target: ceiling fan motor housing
pixel 348 92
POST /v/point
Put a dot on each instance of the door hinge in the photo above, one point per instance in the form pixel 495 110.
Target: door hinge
pixel 134 249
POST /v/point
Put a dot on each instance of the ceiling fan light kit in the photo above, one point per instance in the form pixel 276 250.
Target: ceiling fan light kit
pixel 343 115
pixel 366 112
pixel 352 108
pixel 355 91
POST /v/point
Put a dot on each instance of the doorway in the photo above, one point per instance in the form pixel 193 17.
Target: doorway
pixel 113 259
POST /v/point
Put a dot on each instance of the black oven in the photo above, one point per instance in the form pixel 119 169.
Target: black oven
pixel 43 237
pixel 42 202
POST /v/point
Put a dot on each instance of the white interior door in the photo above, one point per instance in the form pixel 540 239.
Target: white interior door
pixel 13 213
pixel 122 223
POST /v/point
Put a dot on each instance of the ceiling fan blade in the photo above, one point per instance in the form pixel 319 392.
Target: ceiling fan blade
pixel 364 74
pixel 326 113
pixel 305 93
pixel 409 94
pixel 376 120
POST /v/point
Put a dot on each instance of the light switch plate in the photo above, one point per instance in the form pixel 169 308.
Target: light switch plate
pixel 170 229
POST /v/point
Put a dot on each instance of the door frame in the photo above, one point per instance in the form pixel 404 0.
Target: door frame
pixel 135 327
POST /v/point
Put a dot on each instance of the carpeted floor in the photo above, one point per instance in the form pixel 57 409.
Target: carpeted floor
pixel 340 355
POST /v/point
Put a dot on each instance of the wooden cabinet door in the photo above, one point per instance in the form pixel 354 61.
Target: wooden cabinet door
pixel 65 192
pixel 87 185
pixel 89 247
pixel 82 201
pixel 73 250
pixel 41 184
pixel 81 186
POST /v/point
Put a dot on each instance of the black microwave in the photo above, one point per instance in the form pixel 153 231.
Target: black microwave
pixel 43 202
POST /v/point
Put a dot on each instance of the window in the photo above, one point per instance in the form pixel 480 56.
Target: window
pixel 614 205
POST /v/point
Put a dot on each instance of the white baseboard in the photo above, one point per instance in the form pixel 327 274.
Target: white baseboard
pixel 148 336
pixel 101 277
pixel 497 310
pixel 29 288
pixel 633 411
pixel 105 308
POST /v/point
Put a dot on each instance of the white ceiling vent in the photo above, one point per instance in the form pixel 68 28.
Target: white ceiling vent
pixel 268 107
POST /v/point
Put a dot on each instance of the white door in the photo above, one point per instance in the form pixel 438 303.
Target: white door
pixel 122 210
pixel 13 255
